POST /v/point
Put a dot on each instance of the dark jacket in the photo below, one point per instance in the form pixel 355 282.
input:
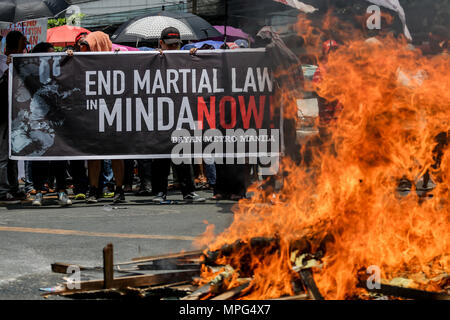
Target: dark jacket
pixel 4 98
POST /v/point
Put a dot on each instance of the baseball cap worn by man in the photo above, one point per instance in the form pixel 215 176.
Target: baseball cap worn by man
pixel 170 35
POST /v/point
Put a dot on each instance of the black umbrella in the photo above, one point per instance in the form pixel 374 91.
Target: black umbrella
pixel 201 28
pixel 21 10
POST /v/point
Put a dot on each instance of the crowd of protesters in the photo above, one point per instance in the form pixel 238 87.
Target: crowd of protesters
pixel 94 179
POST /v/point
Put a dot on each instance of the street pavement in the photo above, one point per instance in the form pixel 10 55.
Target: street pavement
pixel 33 238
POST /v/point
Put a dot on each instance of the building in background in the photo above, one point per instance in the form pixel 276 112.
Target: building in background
pixel 107 15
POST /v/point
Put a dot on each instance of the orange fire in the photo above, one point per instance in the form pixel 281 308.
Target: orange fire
pixel 395 103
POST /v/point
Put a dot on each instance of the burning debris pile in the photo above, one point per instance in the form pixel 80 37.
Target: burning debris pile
pixel 177 276
pixel 346 202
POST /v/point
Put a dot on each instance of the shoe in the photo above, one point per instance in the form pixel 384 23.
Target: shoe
pixel 193 197
pixel 119 196
pixel 9 199
pixel 80 196
pixel 38 199
pixel 20 195
pixel 64 200
pixel 108 194
pixel 160 197
pixel 127 188
pixel 93 195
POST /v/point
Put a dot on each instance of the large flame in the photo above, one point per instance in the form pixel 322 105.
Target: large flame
pixel 395 103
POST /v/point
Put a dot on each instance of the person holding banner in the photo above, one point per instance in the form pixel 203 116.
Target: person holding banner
pixel 40 169
pixel 99 41
pixel 170 40
pixel 9 183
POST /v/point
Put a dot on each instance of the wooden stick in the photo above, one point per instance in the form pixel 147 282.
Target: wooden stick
pixel 108 271
pixel 231 293
pixel 206 288
pixel 310 284
pixel 187 254
pixel 137 281
pixel 59 267
pixel 296 297
pixel 389 290
pixel 167 266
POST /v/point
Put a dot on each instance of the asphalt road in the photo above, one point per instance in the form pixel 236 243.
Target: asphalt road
pixel 34 238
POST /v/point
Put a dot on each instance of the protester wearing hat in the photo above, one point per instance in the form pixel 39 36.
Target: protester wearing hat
pixel 170 40
pixel 41 170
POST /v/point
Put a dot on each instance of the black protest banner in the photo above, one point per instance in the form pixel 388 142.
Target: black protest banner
pixel 142 105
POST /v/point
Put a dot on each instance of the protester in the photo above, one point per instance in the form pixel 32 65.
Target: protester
pixel 291 88
pixel 41 170
pixel 170 40
pixel 77 168
pixel 9 184
pixel 79 39
pixel 228 181
pixel 95 42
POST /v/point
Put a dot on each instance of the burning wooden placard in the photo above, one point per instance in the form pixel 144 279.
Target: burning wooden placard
pixel 224 284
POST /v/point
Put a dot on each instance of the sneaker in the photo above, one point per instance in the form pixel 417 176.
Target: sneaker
pixel 20 195
pixel 108 194
pixel 64 200
pixel 80 196
pixel 93 196
pixel 193 197
pixel 9 199
pixel 119 196
pixel 38 199
pixel 160 197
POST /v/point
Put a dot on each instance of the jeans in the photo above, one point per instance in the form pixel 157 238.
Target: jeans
pixel 210 172
pixel 106 176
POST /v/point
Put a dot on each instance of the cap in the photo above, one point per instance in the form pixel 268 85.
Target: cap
pixel 80 35
pixel 170 35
